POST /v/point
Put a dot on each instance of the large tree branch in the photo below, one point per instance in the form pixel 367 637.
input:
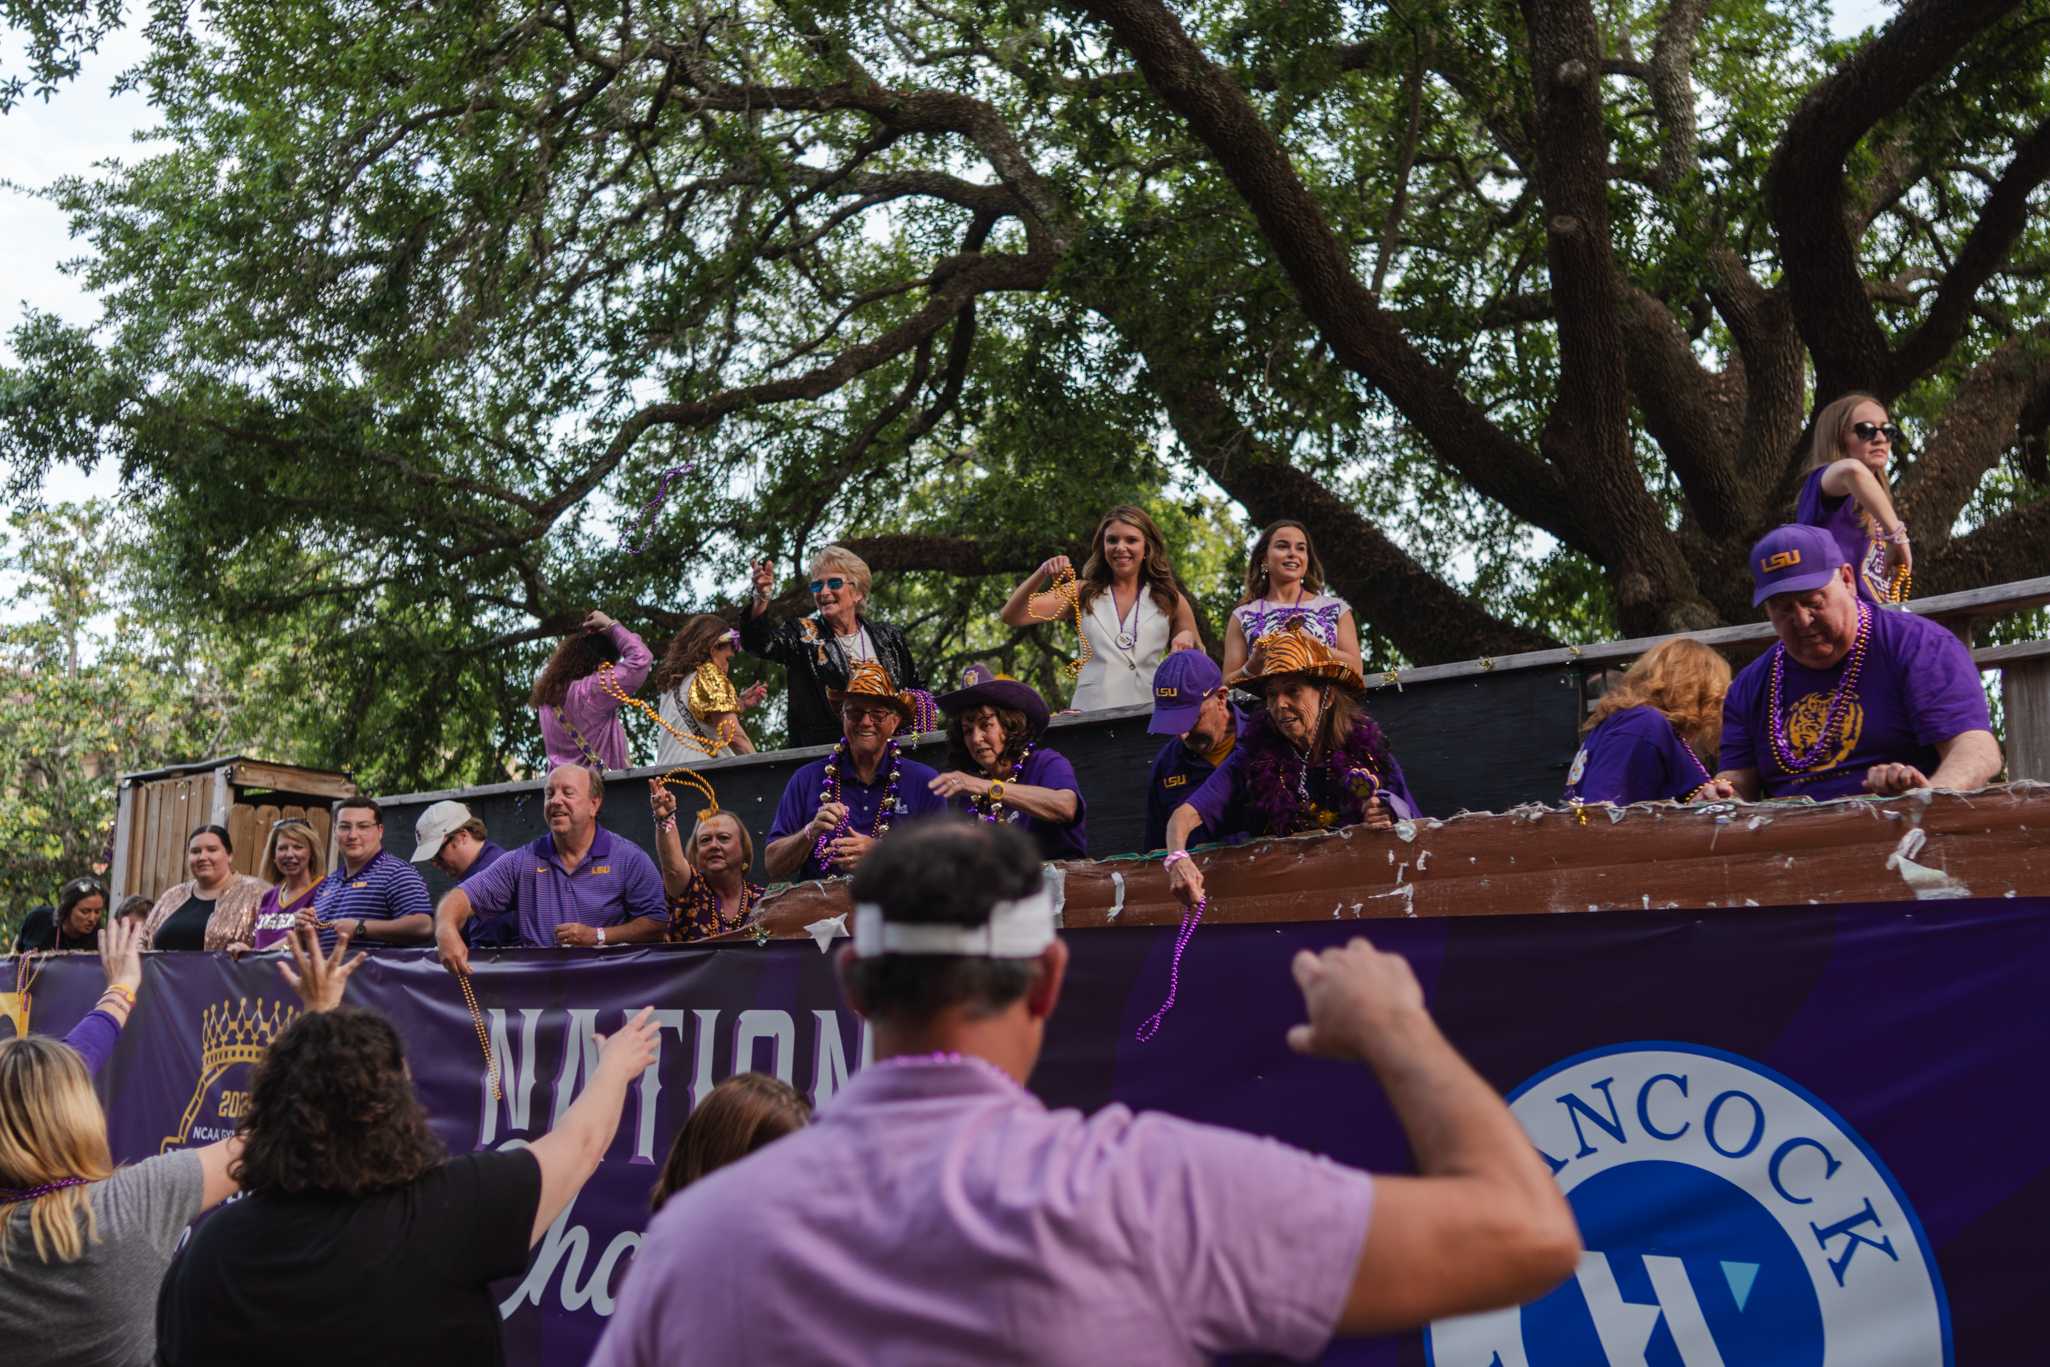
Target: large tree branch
pixel 1588 429
pixel 2002 218
pixel 1671 79
pixel 1694 414
pixel 1808 198
pixel 1980 425
pixel 2015 545
pixel 1366 339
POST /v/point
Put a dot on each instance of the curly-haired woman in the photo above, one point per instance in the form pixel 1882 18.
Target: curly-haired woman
pixel 579 718
pixel 1133 611
pixel 1646 737
pixel 997 769
pixel 359 1240
pixel 695 695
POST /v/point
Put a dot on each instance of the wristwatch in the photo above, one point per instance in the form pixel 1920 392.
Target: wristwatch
pixel 996 791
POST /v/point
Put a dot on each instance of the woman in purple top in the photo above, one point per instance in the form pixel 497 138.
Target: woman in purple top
pixel 1313 761
pixel 1646 737
pixel 293 866
pixel 1845 491
pixel 997 769
pixel 579 715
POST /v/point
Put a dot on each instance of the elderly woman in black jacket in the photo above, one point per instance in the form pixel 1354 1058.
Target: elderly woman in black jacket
pixel 819 650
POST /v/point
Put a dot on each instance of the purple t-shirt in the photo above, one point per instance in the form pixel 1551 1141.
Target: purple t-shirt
pixel 1918 687
pixel 93 1039
pixel 614 882
pixel 274 922
pixel 939 1213
pixel 800 801
pixel 1046 768
pixel 594 713
pixel 1635 755
pixel 1226 806
pixel 1839 517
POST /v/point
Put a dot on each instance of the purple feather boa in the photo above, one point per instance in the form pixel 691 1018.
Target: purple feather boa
pixel 1271 764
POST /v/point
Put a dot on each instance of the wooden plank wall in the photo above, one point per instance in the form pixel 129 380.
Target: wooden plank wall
pixel 167 810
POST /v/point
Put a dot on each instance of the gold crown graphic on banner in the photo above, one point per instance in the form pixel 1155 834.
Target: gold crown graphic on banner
pixel 228 1036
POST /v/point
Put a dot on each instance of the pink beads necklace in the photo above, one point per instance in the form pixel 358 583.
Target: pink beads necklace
pixel 1839 703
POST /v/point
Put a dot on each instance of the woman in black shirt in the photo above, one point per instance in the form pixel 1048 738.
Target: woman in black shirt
pixel 359 1240
pixel 73 925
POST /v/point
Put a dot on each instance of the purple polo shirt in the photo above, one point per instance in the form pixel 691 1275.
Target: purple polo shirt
pixel 1635 755
pixel 1839 517
pixel 594 712
pixel 1046 768
pixel 616 881
pixel 384 889
pixel 1918 687
pixel 1177 773
pixel 800 802
pixel 940 1213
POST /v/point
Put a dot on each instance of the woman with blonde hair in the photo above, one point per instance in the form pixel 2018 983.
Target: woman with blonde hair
pixel 84 1244
pixel 1285 587
pixel 1646 736
pixel 695 693
pixel 293 866
pixel 704 878
pixel 821 650
pixel 1133 612
pixel 215 907
pixel 1846 493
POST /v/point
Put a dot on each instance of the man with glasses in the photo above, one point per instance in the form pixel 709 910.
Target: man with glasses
pixel 834 809
pixel 821 650
pixel 382 894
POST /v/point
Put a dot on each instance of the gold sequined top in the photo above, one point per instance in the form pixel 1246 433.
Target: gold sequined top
pixel 711 693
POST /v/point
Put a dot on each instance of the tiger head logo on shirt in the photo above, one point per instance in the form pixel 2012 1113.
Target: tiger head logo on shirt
pixel 1806 719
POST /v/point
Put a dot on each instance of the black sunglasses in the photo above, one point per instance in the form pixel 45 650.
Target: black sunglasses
pixel 1866 431
pixel 836 583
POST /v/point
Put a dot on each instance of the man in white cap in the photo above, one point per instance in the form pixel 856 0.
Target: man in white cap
pixel 936 1212
pixel 458 844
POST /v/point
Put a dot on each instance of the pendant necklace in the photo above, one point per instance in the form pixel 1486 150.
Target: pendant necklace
pixel 1128 637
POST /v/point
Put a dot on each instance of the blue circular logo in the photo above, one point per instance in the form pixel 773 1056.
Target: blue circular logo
pixel 1728 1218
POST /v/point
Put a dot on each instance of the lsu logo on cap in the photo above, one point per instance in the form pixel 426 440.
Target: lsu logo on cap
pixel 1729 1217
pixel 1167 692
pixel 1782 560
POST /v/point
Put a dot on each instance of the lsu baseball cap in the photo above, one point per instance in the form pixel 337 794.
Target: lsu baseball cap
pixel 1180 684
pixel 1793 559
pixel 436 825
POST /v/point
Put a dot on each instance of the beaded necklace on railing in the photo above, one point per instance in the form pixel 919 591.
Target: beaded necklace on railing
pixel 990 806
pixel 1839 703
pixel 830 792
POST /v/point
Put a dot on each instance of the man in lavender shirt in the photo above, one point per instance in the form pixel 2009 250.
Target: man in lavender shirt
pixel 937 1212
pixel 1854 698
pixel 578 885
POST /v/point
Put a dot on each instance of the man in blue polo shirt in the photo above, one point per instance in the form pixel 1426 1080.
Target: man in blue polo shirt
pixel 460 846
pixel 579 885
pixel 384 895
pixel 1190 703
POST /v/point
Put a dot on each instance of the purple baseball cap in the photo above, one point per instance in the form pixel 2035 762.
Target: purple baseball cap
pixel 1793 559
pixel 1180 684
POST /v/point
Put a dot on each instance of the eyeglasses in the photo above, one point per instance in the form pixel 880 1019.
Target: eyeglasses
pixel 1866 431
pixel 836 583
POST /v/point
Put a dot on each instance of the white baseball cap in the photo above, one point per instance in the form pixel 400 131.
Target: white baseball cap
pixel 436 825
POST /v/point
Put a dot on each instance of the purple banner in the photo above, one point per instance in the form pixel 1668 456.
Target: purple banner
pixel 1796 1135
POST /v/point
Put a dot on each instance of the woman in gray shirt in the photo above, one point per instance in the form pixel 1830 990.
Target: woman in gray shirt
pixel 83 1244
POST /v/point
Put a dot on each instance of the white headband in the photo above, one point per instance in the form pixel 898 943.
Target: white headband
pixel 1016 930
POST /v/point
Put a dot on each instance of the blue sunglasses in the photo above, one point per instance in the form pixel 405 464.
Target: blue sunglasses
pixel 836 583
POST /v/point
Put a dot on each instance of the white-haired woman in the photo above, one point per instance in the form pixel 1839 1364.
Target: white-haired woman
pixel 820 650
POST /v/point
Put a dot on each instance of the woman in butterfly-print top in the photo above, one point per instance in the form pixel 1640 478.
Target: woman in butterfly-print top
pixel 1285 587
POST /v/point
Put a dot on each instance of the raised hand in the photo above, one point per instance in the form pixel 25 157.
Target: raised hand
pixel 320 979
pixel 1357 999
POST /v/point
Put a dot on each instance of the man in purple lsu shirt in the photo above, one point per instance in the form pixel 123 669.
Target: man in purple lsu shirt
pixel 936 1211
pixel 1854 698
